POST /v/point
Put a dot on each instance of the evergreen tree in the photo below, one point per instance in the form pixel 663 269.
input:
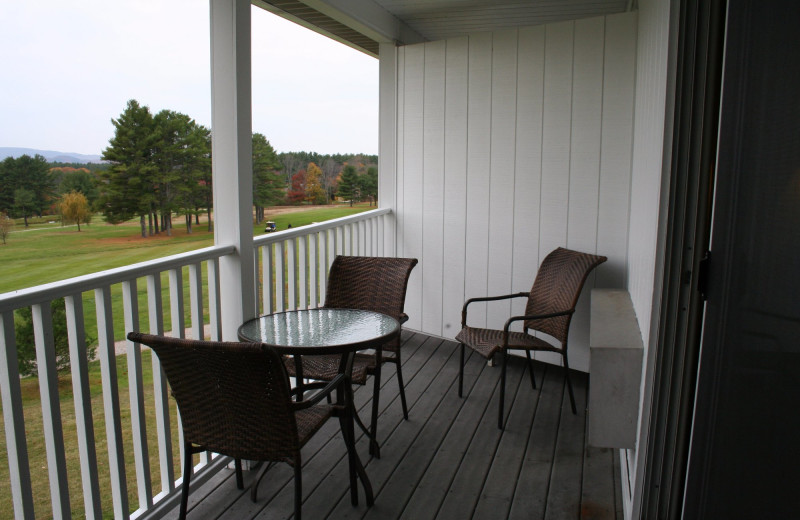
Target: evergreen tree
pixel 269 187
pixel 368 184
pixel 129 190
pixel 349 184
pixel 81 181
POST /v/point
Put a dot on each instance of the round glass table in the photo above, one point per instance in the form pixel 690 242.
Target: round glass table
pixel 321 331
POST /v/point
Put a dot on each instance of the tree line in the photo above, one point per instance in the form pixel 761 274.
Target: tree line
pixel 159 165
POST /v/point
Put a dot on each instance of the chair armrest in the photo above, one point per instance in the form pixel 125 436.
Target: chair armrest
pixel 317 397
pixel 531 317
pixel 487 299
pixel 403 318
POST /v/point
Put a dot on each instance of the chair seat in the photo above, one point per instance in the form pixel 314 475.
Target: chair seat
pixel 310 420
pixel 488 341
pixel 325 368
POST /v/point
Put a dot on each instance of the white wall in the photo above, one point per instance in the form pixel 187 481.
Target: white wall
pixel 651 147
pixel 510 144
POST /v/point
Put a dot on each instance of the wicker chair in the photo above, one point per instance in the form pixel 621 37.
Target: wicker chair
pixel 373 284
pixel 551 303
pixel 234 399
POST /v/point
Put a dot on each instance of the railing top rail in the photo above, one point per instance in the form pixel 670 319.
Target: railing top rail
pixel 286 234
pixel 41 293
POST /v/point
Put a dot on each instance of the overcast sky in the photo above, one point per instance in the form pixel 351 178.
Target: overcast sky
pixel 68 67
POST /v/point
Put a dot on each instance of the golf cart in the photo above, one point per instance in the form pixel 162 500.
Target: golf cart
pixel 270 226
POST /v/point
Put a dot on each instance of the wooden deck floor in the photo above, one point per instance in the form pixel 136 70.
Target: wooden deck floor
pixel 449 460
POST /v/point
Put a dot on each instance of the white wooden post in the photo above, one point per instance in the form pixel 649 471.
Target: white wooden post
pixel 231 123
pixel 16 445
pixel 387 147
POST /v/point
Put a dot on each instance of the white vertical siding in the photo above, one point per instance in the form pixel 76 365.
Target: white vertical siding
pixel 479 146
pixel 433 186
pixel 501 142
pixel 652 72
pixel 455 184
pixel 584 182
pixel 501 172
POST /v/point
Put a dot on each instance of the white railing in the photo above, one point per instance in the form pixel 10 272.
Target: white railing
pixel 293 265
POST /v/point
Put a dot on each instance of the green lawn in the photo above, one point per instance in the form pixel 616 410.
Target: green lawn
pixel 50 253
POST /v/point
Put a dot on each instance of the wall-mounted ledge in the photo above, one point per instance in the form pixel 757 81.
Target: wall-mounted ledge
pixel 615 359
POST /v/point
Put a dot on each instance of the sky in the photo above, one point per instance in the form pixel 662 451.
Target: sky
pixel 68 68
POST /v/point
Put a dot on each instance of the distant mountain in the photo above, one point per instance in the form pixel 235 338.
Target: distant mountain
pixel 50 155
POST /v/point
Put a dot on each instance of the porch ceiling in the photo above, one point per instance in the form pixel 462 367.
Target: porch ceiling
pixel 363 24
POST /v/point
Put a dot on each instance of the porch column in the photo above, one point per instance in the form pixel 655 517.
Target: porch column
pixel 387 144
pixel 231 126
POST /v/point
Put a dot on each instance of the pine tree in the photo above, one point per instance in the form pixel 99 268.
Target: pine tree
pixel 129 190
pixel 269 187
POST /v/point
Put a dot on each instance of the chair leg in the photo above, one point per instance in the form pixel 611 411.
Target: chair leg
pixel 504 355
pixel 298 488
pixel 461 372
pixel 530 368
pixel 402 385
pixel 187 476
pixel 237 463
pixel 569 386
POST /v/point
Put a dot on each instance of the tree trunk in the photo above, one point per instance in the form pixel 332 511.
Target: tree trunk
pixel 142 224
pixel 188 223
pixel 168 223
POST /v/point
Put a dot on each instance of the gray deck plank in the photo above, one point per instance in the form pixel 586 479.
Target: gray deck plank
pixel 533 483
pixel 449 461
pixel 498 490
pixel 564 498
pixel 432 488
pixel 331 494
pixel 468 484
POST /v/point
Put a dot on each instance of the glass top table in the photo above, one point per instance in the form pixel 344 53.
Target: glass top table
pixel 321 331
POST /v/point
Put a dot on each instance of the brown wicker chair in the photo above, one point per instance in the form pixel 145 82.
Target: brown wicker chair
pixel 551 303
pixel 234 399
pixel 373 284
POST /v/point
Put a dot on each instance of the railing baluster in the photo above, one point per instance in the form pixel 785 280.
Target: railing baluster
pixel 14 420
pixel 176 303
pixel 178 331
pixel 323 263
pixel 196 307
pixel 196 300
pixel 313 270
pixel 155 312
pixel 268 279
pixel 51 409
pixel 280 277
pixel 214 311
pixel 291 273
pixel 108 368
pixel 302 259
pixel 130 301
pixel 81 392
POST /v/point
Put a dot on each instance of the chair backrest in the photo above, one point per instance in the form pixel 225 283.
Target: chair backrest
pixel 557 287
pixel 369 283
pixel 233 397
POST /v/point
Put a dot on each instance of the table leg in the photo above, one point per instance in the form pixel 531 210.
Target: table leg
pixel 374 448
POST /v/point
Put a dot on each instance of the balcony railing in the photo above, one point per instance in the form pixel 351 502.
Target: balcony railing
pixel 292 268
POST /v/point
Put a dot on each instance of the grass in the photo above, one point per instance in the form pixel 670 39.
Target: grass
pixel 49 252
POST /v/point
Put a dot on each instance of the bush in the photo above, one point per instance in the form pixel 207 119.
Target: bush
pixel 26 346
